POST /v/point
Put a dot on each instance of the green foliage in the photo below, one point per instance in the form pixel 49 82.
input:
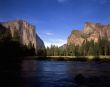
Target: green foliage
pixel 16 36
pixel 15 49
pixel 74 31
pixel 4 34
pixel 41 52
pixel 89 48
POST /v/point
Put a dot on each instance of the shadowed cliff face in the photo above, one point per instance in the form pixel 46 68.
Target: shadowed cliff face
pixel 40 43
pixel 91 31
pixel 25 32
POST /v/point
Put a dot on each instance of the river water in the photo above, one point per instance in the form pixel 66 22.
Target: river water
pixel 61 73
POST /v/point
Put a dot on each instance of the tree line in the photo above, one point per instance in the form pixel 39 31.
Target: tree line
pixel 88 48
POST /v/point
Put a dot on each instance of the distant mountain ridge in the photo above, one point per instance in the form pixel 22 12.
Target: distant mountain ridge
pixel 25 32
pixel 91 31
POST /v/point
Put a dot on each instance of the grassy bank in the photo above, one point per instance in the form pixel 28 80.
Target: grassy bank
pixel 71 58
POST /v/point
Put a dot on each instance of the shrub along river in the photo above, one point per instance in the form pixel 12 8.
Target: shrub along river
pixel 36 73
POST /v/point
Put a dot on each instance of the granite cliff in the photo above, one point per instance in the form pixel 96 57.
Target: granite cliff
pixel 91 31
pixel 25 32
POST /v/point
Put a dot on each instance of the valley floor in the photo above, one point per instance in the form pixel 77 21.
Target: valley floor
pixel 71 58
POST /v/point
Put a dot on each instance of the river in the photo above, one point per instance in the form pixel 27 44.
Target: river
pixel 61 73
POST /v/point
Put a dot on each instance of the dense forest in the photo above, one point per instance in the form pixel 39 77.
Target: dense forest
pixel 89 48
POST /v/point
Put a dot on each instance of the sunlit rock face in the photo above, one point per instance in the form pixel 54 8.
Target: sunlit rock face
pixel 75 38
pixel 91 31
pixel 25 31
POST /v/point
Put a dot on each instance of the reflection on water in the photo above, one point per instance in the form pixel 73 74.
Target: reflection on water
pixel 59 73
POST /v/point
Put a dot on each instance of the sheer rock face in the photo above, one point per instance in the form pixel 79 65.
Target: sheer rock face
pixel 40 43
pixel 75 38
pixel 91 31
pixel 25 31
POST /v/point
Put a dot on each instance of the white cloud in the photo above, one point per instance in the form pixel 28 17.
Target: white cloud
pixel 47 44
pixel 49 34
pixel 57 42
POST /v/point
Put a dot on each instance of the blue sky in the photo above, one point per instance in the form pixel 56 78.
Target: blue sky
pixel 55 19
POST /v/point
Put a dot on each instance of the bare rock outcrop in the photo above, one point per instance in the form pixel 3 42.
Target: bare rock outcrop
pixel 25 32
pixel 91 31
